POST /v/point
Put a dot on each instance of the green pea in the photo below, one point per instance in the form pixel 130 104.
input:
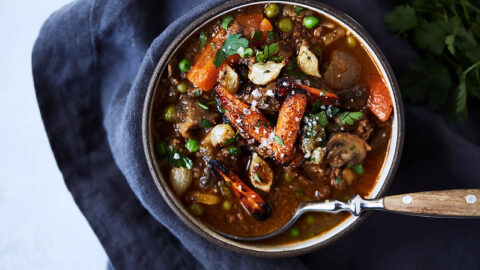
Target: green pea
pixel 272 11
pixel 285 25
pixel 184 65
pixel 169 114
pixel 294 232
pixel 351 42
pixel 192 145
pixel 160 149
pixel 227 205
pixel 182 87
pixel 233 150
pixel 310 22
pixel 310 219
pixel 248 52
pixel 196 209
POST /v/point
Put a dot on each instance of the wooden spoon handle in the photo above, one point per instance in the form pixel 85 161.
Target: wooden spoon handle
pixel 445 203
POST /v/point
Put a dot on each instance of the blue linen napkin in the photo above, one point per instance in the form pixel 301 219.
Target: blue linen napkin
pixel 91 66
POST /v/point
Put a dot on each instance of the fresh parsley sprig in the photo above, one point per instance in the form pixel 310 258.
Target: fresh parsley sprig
pixel 448 34
pixel 230 47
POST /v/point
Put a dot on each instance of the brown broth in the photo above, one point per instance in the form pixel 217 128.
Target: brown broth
pixel 284 195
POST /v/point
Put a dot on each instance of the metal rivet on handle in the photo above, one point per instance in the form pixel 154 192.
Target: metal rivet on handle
pixel 407 199
pixel 470 199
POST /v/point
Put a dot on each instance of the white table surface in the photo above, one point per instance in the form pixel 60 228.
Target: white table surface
pixel 40 225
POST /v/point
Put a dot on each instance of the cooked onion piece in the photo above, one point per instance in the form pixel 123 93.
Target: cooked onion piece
pixel 263 73
pixel 260 173
pixel 181 179
pixel 308 62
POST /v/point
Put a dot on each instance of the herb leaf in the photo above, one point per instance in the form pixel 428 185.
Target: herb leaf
pixel 278 140
pixel 204 123
pixel 298 9
pixel 256 35
pixel 226 21
pixel 256 178
pixel 202 40
pixel 448 71
pixel 401 19
pixel 349 117
pixel 230 47
pixel 358 169
pixel 267 53
pixel 203 106
pixel 176 159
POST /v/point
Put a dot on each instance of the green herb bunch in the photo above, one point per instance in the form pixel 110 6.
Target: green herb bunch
pixel 447 33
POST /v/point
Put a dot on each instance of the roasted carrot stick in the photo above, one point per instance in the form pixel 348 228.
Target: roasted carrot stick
pixel 288 124
pixel 379 101
pixel 250 200
pixel 203 73
pixel 249 122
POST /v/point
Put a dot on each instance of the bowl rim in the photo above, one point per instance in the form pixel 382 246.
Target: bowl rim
pixel 199 227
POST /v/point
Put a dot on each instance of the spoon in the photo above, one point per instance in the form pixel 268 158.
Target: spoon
pixel 456 203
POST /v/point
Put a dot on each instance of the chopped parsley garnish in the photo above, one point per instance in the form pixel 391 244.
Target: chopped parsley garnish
pixel 230 47
pixel 256 35
pixel 278 140
pixel 213 102
pixel 271 36
pixel 231 140
pixel 204 123
pixel 228 184
pixel 256 178
pixel 226 21
pixel 349 117
pixel 160 149
pixel 213 45
pixel 202 40
pixel 203 106
pixel 358 169
pixel 176 159
pixel 298 9
pixel 268 52
pixel 197 93
pixel 337 181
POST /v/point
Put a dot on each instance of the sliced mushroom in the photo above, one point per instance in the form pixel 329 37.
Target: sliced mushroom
pixel 260 173
pixel 180 179
pixel 219 135
pixel 308 62
pixel 263 73
pixel 228 78
pixel 346 148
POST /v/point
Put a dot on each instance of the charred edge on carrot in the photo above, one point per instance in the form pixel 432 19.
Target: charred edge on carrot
pixel 250 200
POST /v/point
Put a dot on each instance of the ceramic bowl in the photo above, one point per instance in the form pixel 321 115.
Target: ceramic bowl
pixel 257 248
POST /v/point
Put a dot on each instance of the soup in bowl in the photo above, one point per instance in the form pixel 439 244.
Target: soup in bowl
pixel 259 106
